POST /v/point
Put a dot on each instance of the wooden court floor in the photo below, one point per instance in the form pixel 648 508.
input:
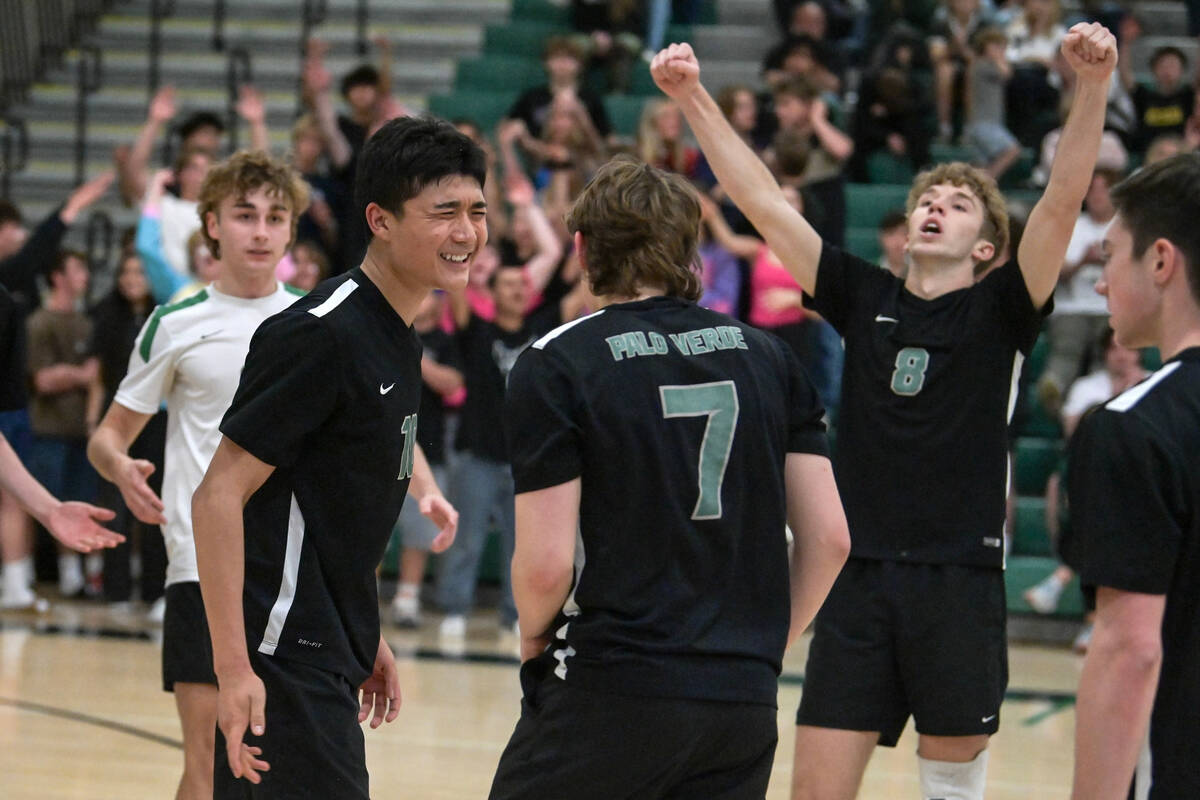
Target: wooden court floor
pixel 83 715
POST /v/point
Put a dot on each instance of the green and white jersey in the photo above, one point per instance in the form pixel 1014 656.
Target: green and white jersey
pixel 190 355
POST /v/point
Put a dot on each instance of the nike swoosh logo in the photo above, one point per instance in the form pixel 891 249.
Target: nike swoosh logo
pixel 206 335
pixel 882 318
pixel 989 719
pixel 388 389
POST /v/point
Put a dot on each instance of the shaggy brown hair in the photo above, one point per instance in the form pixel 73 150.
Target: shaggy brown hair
pixel 243 173
pixel 640 225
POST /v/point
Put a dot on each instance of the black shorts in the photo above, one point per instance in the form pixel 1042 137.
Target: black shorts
pixel 895 639
pixel 578 743
pixel 187 655
pixel 312 741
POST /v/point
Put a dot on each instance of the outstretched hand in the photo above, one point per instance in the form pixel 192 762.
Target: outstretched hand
pixel 675 70
pixel 445 516
pixel 1091 51
pixel 76 526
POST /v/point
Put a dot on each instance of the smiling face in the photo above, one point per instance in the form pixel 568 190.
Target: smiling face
pixel 434 242
pixel 131 280
pixel 254 231
pixel 1134 302
pixel 946 225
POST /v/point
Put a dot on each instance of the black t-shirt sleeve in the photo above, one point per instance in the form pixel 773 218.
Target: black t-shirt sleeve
pixel 1023 320
pixel 544 438
pixel 289 388
pixel 12 381
pixel 1120 485
pixel 841 280
pixel 806 425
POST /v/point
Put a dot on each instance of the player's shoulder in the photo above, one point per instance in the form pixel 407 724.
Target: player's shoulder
pixel 329 300
pixel 179 320
pixel 563 335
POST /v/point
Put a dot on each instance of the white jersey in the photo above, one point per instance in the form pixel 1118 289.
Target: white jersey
pixel 190 354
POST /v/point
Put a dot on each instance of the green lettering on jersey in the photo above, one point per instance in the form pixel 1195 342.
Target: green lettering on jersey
pixel 409 455
pixel 696 342
pixel 680 342
pixel 658 344
pixel 909 376
pixel 719 402
pixel 618 346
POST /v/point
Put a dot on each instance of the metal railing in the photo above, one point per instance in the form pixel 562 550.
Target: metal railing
pixel 14 150
pixel 99 240
pixel 312 14
pixel 238 71
pixel 34 35
pixel 159 10
pixel 218 35
pixel 362 16
pixel 88 79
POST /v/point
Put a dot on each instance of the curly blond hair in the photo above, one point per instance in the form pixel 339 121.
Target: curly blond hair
pixel 243 173
pixel 983 185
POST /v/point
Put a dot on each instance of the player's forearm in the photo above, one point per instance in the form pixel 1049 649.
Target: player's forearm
pixel 423 483
pixel 260 137
pixel 741 173
pixel 1116 694
pixel 539 591
pixel 1078 148
pixel 442 379
pixel 107 452
pixel 220 560
pixel 816 562
pixel 132 172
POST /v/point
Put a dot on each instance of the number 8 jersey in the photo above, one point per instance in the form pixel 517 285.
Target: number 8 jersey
pixel 678 421
pixel 927 394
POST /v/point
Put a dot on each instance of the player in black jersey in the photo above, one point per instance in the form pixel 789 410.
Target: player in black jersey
pixel 915 623
pixel 318 452
pixel 678 442
pixel 1134 486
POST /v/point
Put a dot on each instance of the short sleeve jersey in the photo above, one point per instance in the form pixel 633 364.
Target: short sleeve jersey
pixel 1134 487
pixel 927 394
pixel 190 355
pixel 677 420
pixel 329 396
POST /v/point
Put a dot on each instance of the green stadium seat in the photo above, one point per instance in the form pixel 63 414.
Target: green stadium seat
pixel 941 153
pixel 883 167
pixel 485 108
pixel 1022 572
pixel 866 203
pixel 624 112
pixel 863 242
pixel 520 38
pixel 542 11
pixel 499 73
pixel 1031 538
pixel 1036 459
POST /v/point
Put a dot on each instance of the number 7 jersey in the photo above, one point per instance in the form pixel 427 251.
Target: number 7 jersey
pixel 678 421
pixel 928 391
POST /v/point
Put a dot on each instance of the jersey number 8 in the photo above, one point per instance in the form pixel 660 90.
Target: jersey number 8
pixel 719 402
pixel 909 377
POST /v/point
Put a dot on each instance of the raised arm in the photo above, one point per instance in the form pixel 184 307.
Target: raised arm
pixel 1091 52
pixel 744 247
pixel 1116 692
pixel 540 267
pixel 133 168
pixel 740 172
pixel 253 110
pixel 233 476
pixel 147 240
pixel 317 84
pixel 822 538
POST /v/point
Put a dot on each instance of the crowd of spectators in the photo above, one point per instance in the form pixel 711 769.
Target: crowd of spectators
pixel 847 93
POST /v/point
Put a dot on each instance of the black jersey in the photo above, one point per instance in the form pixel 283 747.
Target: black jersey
pixel 1134 487
pixel 927 393
pixel 677 419
pixel 12 361
pixel 329 396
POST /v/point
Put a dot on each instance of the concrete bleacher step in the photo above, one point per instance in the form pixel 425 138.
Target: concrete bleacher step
pixel 747 12
pixel 739 42
pixel 394 11
pixel 201 69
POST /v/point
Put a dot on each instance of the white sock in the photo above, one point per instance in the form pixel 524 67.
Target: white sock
pixel 12 579
pixel 70 574
pixel 26 565
pixel 408 590
pixel 952 780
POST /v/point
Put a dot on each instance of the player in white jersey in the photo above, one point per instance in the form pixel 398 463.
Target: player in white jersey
pixel 190 354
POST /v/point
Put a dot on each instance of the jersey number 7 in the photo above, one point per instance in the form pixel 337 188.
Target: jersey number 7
pixel 719 402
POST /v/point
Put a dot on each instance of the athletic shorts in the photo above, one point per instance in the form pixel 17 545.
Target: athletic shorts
pixel 579 743
pixel 898 639
pixel 312 741
pixel 14 425
pixel 187 655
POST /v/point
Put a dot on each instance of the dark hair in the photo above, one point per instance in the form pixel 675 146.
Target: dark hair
pixel 893 219
pixel 59 264
pixel 640 225
pixel 409 153
pixel 987 35
pixel 1162 201
pixel 562 45
pixel 796 86
pixel 364 75
pixel 792 150
pixel 10 213
pixel 197 120
pixel 1165 51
